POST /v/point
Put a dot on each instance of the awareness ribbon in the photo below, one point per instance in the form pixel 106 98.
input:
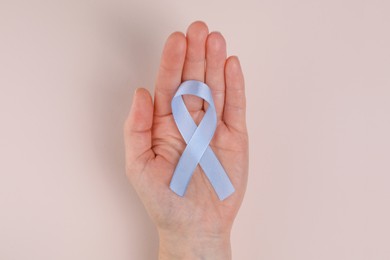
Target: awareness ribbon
pixel 198 139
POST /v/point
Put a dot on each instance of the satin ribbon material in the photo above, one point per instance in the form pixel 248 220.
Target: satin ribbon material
pixel 198 139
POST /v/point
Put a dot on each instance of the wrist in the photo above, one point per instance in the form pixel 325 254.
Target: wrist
pixel 194 246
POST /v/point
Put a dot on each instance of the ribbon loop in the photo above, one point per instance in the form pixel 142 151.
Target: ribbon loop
pixel 197 139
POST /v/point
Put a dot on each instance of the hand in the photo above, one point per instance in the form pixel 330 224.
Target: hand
pixel 198 224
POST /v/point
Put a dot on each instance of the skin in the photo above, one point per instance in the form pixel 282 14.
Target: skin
pixel 198 225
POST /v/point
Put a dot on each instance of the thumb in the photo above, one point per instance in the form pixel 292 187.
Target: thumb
pixel 138 128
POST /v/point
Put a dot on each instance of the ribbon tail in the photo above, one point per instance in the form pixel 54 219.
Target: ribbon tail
pixel 217 176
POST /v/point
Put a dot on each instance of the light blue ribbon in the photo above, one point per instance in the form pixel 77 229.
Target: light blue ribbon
pixel 198 139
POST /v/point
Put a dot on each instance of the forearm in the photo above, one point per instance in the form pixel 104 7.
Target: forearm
pixel 216 247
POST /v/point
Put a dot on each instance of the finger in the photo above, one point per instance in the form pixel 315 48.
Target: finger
pixel 138 128
pixel 194 64
pixel 215 65
pixel 170 73
pixel 235 104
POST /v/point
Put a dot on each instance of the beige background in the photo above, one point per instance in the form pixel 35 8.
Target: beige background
pixel 318 87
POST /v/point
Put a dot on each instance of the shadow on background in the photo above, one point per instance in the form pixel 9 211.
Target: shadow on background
pixel 134 41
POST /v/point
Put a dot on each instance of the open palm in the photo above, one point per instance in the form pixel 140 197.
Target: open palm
pixel 154 144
